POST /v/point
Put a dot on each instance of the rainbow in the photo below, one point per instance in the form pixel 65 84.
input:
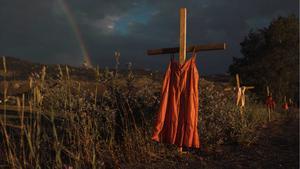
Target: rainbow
pixel 78 35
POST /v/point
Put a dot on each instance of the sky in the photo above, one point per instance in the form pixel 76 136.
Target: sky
pixel 63 31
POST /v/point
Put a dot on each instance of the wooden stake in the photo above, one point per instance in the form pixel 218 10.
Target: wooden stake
pixel 182 49
pixel 268 91
pixel 237 81
pixel 269 112
pixel 284 99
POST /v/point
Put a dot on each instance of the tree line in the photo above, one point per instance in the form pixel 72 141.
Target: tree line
pixel 271 58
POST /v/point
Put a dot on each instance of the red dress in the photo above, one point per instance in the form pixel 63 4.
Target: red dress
pixel 285 106
pixel 177 117
pixel 270 103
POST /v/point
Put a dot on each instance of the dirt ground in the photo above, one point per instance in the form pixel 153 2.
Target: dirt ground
pixel 277 148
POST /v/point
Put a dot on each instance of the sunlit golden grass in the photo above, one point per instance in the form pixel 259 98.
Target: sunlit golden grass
pixel 107 123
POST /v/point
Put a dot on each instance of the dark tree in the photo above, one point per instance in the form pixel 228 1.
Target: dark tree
pixel 271 57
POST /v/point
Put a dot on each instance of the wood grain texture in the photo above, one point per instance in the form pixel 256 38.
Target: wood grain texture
pixel 182 48
pixel 207 47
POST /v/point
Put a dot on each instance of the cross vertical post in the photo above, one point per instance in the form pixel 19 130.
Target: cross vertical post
pixel 268 91
pixel 237 81
pixel 284 99
pixel 182 48
pixel 268 107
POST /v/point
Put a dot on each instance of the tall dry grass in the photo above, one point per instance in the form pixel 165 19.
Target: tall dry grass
pixel 73 125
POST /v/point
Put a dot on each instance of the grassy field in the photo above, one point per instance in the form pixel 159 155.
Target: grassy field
pixel 106 122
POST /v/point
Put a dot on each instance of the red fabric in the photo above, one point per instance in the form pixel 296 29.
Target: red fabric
pixel 285 106
pixel 270 102
pixel 177 117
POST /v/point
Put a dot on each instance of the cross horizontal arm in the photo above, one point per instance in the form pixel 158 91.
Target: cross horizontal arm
pixel 217 46
pixel 234 88
pixel 249 87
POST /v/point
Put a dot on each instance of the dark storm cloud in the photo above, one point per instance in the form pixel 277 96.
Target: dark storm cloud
pixel 39 29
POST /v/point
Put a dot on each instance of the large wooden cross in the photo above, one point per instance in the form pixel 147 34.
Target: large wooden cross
pixel 182 50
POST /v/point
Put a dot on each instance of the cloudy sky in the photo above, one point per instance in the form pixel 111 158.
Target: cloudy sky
pixel 60 31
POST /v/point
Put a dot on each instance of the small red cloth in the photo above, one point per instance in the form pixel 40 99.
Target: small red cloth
pixel 270 102
pixel 285 106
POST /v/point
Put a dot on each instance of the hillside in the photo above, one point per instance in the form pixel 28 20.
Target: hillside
pixel 19 69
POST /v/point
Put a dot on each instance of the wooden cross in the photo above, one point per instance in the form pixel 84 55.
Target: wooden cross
pixel 183 49
pixel 269 108
pixel 240 92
